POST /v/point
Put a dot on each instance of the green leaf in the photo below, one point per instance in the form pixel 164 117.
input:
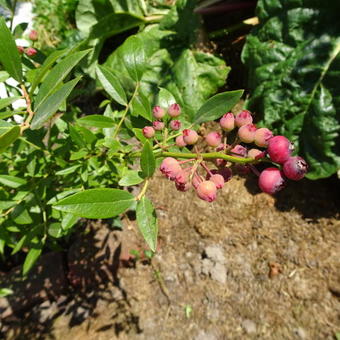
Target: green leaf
pixel 294 70
pixel 7 204
pixel 12 181
pixel 55 230
pixel 68 221
pixel 114 23
pixel 76 136
pixel 10 136
pixel 165 98
pixel 132 177
pixel 97 121
pixel 68 170
pixel 32 257
pixel 96 203
pixel 48 108
pixel 147 222
pixel 9 55
pixel 20 215
pixel 56 76
pixel 111 84
pixel 3 76
pixel 5 292
pixel 140 106
pixel 147 160
pixel 216 106
pixel 20 244
pixel 7 101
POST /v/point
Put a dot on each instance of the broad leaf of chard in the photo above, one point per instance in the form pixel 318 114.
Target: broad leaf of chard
pixel 293 58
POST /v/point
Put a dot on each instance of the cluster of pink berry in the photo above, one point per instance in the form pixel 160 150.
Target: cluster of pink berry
pixel 29 51
pixel 277 149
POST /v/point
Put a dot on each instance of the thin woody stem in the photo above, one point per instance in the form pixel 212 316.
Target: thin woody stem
pixel 26 124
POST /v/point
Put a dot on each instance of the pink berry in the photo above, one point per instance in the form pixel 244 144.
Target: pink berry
pixel 170 168
pixel 33 35
pixel 190 136
pixel 206 191
pixel 243 118
pixel 182 187
pixel 226 173
pixel 213 139
pixel 157 125
pixel 255 153
pixel 271 180
pixel 175 125
pixel 182 177
pixel 239 151
pixel 158 112
pixel 20 49
pixel 247 133
pixel 227 122
pixel 174 110
pixel 180 141
pixel 262 137
pixel 218 180
pixel 30 51
pixel 196 181
pixel 295 168
pixel 279 149
pixel 148 131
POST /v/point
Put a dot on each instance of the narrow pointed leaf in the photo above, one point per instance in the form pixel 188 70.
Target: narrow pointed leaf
pixel 97 121
pixel 132 177
pixel 7 101
pixel 147 160
pixel 31 258
pixel 10 136
pixel 12 181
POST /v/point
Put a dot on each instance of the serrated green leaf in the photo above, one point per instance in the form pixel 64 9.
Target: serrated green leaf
pixel 12 181
pixel 132 177
pixel 49 107
pixel 96 203
pixel 147 160
pixel 56 76
pixel 111 84
pixel 147 222
pixel 97 121
pixel 9 55
pixel 10 136
pixel 216 106
pixel 7 101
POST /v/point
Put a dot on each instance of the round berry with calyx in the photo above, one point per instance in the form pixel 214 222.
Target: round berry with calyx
pixel 148 131
pixel 243 118
pixel 190 137
pixel 183 176
pixel 33 35
pixel 227 122
pixel 158 112
pixel 239 151
pixel 157 125
pixel 218 180
pixel 255 153
pixel 279 149
pixel 262 137
pixel 174 110
pixel 271 180
pixel 206 191
pixel 170 168
pixel 196 180
pixel 175 125
pixel 180 141
pixel 30 51
pixel 213 139
pixel 295 168
pixel 21 49
pixel 247 132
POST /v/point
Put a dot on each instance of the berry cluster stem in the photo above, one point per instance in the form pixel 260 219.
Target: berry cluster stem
pixel 26 124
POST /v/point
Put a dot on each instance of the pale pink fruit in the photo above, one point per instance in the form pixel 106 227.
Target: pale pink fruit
pixel 196 180
pixel 226 173
pixel 271 180
pixel 158 112
pixel 31 52
pixel 180 141
pixel 33 35
pixel 218 180
pixel 183 176
pixel 227 122
pixel 206 191
pixel 148 131
pixel 182 187
pixel 20 49
pixel 157 125
pixel 243 118
pixel 295 168
pixel 175 125
pixel 170 168
pixel 190 136
pixel 239 150
pixel 174 110
pixel 213 139
pixel 246 133
pixel 262 137
pixel 255 153
pixel 279 149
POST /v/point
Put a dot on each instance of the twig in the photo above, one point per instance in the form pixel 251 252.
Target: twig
pixel 26 124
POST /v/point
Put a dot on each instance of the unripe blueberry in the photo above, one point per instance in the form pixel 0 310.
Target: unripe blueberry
pixel 271 180
pixel 20 49
pixel 148 131
pixel 180 141
pixel 170 167
pixel 174 110
pixel 30 52
pixel 227 122
pixel 33 35
pixel 218 180
pixel 213 139
pixel 239 150
pixel 243 118
pixel 157 125
pixel 262 137
pixel 175 125
pixel 279 149
pixel 247 133
pixel 255 153
pixel 295 168
pixel 158 112
pixel 206 191
pixel 190 136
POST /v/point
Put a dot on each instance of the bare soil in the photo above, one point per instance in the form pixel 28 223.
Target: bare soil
pixel 248 266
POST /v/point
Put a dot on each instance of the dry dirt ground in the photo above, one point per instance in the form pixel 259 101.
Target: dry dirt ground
pixel 247 266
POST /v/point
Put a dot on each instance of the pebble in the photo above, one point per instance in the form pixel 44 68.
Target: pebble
pixel 249 326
